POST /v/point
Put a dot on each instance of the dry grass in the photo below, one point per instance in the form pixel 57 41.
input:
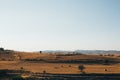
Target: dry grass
pixel 28 55
pixel 59 68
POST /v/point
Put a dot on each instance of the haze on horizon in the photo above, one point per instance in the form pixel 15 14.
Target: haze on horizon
pixel 30 25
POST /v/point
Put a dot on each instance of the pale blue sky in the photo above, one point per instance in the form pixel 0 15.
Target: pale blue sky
pixel 33 25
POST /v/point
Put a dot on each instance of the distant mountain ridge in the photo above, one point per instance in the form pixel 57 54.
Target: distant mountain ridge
pixel 86 51
pixel 99 51
pixel 70 51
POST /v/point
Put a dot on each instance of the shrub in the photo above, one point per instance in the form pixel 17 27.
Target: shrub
pixel 1 49
pixel 81 68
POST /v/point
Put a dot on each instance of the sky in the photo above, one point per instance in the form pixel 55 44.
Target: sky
pixel 33 25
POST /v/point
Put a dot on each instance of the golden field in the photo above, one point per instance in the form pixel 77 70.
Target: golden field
pixel 60 68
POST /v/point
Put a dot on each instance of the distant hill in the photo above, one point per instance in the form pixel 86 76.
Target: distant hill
pixel 98 51
pixel 60 56
pixel 8 55
pixel 85 51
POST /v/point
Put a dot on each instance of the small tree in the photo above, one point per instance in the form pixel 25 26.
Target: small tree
pixel 81 68
pixel 21 68
pixel 105 69
pixel 1 49
pixel 40 51
pixel 44 72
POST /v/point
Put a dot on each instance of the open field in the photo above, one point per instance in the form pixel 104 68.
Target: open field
pixel 58 68
pixel 59 64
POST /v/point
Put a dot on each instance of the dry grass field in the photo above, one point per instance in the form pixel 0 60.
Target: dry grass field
pixel 31 55
pixel 59 68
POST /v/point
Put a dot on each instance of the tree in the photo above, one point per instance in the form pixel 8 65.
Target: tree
pixel 105 69
pixel 1 49
pixel 81 68
pixel 44 72
pixel 40 51
pixel 21 68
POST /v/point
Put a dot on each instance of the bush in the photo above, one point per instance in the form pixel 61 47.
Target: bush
pixel 81 68
pixel 1 49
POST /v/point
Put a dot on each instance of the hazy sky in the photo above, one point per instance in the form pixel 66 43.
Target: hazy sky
pixel 33 25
